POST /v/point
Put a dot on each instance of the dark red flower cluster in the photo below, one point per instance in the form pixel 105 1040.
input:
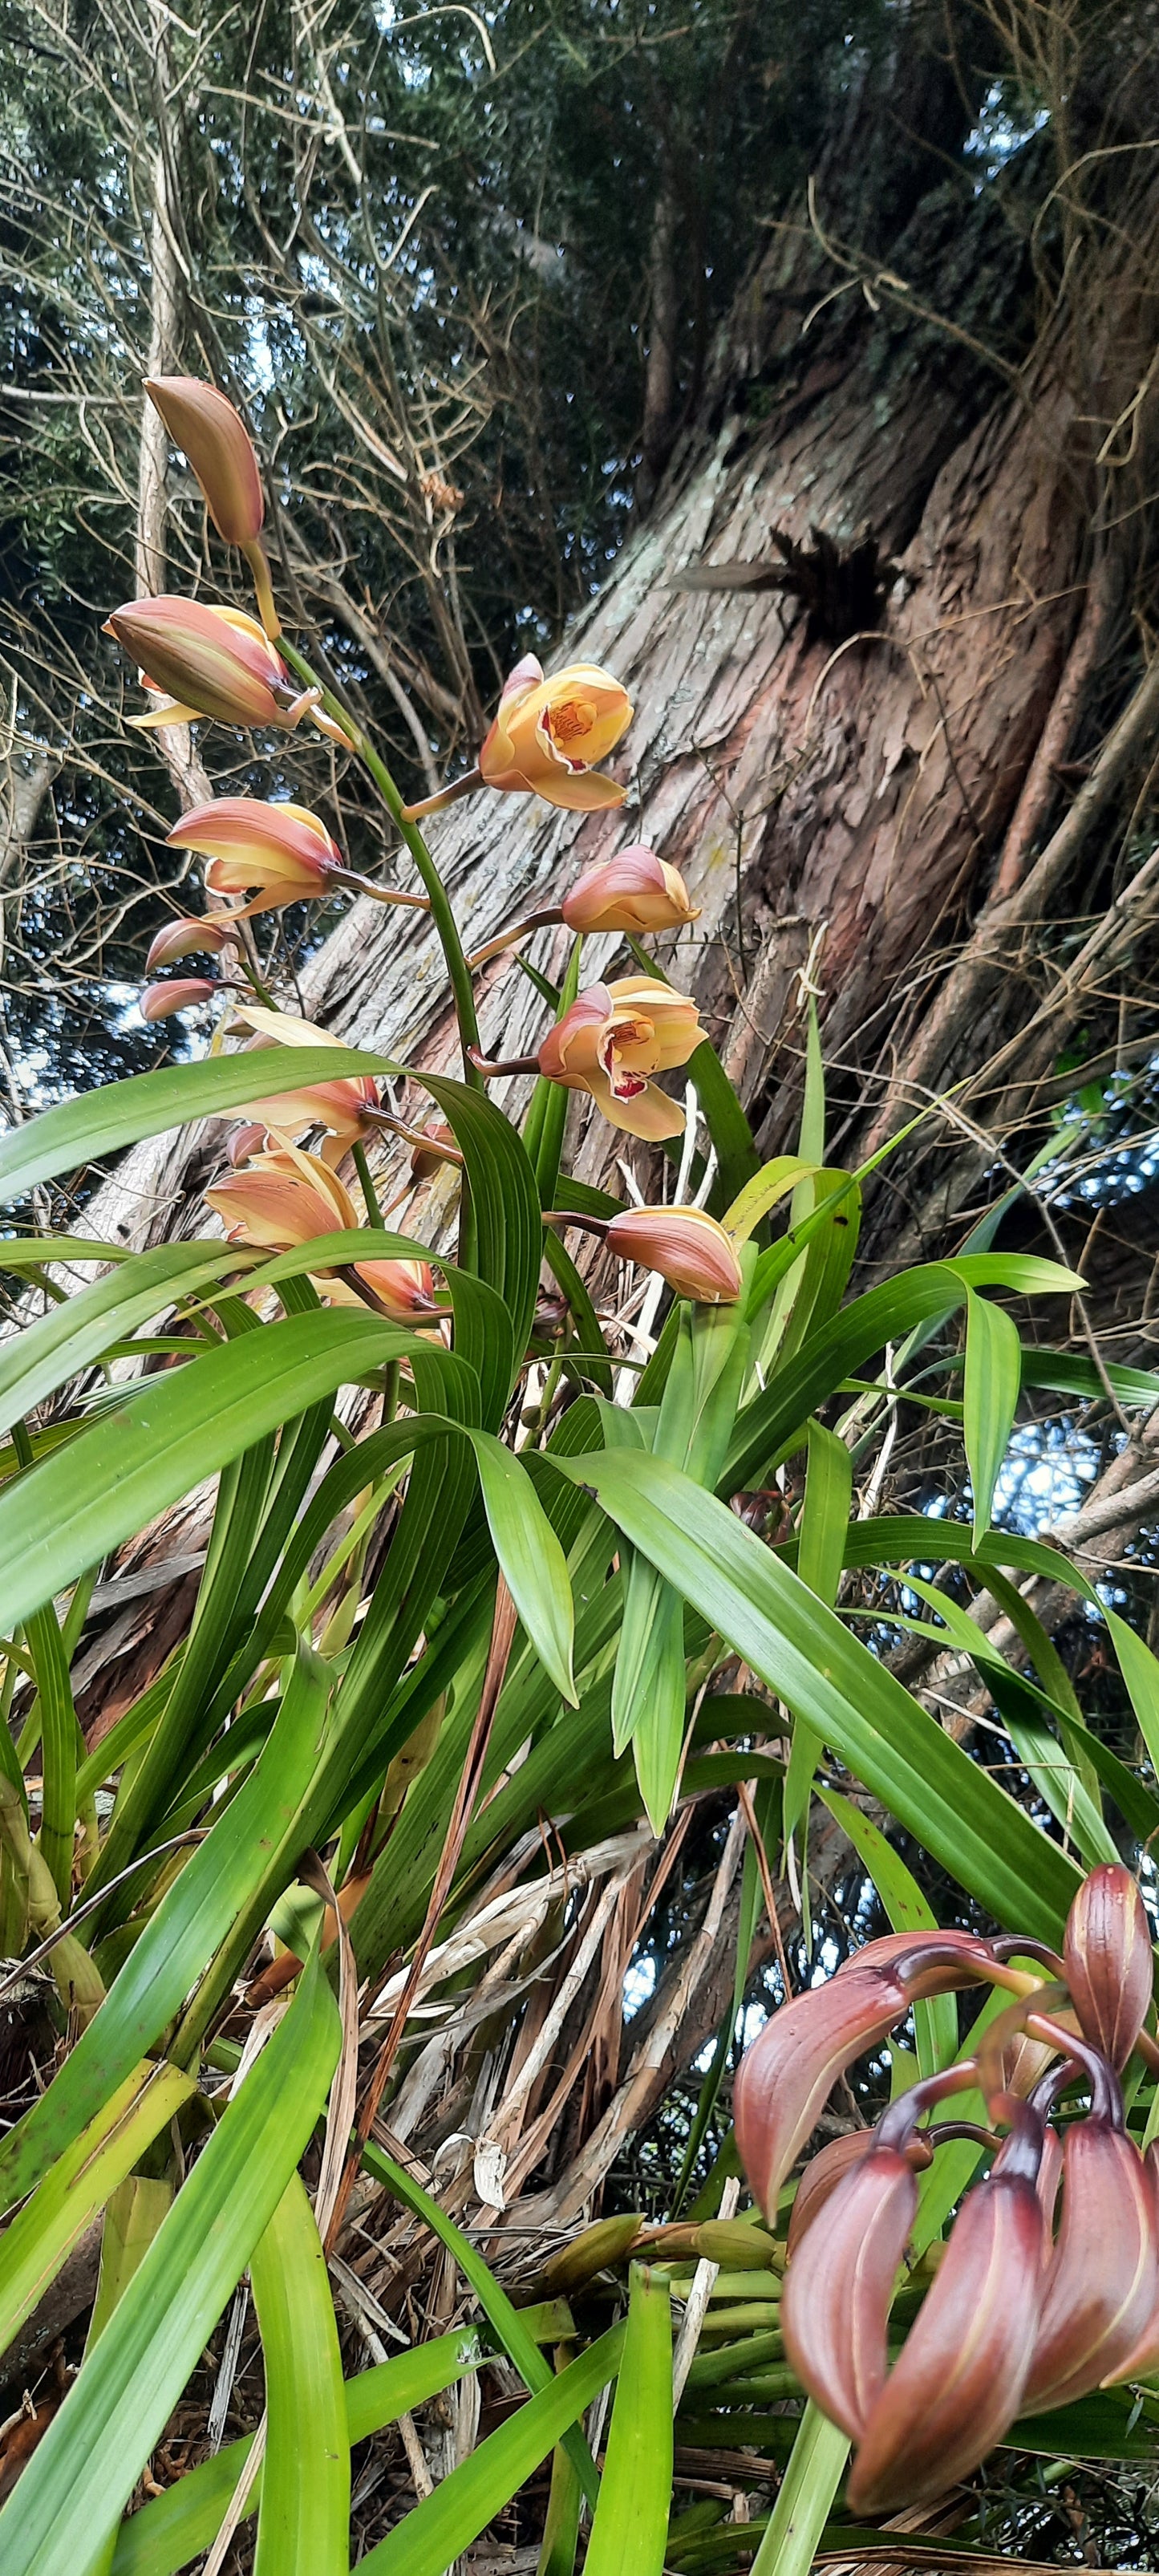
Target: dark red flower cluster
pixel 1020 2317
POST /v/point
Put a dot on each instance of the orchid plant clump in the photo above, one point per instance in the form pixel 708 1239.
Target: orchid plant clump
pixel 495 1592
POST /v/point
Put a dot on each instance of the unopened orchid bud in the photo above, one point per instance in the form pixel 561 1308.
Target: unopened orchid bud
pixel 958 2383
pixel 785 2078
pixel 634 891
pixel 613 1039
pixel 685 1245
pixel 245 1143
pixel 548 735
pixel 1143 2358
pixel 160 1001
pixel 204 938
pixel 735 2245
pixel 839 2284
pixel 1108 1960
pixel 1102 2281
pixel 275 854
pixel 206 662
pixel 820 2179
pixel 203 422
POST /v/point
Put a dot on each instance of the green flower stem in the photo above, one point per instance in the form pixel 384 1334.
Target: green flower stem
pixel 370 1194
pixel 441 913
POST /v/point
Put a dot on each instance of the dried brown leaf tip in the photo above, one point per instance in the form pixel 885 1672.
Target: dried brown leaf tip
pixel 1047 2284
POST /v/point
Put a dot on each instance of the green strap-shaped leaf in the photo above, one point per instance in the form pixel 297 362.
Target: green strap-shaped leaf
pixel 504 1198
pixel 121 1113
pixel 804 2498
pixel 630 2528
pixel 62 2515
pixel 804 1653
pixel 74 1334
pixel 218 1888
pixel 506 2321
pixel 79 2183
pixel 533 1562
pixel 175 2527
pixel 304 2519
pixel 775 1420
pixel 427 2541
pixel 820 1556
pixel 67 1513
pixel 906 1536
pixel 993 1383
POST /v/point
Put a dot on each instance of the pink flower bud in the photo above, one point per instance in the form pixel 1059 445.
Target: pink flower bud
pixel 205 938
pixel 548 735
pixel 688 1248
pixel 958 2383
pixel 786 2077
pixel 634 891
pixel 820 2179
pixel 203 422
pixel 245 1143
pixel 160 1001
pixel 1108 1960
pixel 207 661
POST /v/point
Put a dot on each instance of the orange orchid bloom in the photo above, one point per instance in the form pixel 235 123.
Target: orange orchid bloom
pixel 339 1106
pixel 613 1038
pixel 548 735
pixel 289 1198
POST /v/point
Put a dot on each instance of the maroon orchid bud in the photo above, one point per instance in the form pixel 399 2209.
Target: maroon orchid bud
pixel 1049 2178
pixel 959 2381
pixel 821 2177
pixel 785 2078
pixel 1102 2281
pixel 1143 2357
pixel 838 2287
pixel 1108 1960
